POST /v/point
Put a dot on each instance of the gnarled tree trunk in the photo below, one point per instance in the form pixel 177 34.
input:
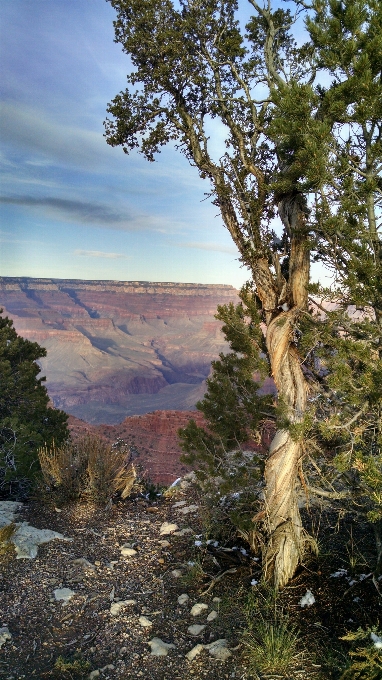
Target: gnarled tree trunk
pixel 285 534
pixel 286 537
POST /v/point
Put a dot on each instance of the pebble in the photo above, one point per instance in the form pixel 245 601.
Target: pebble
pixel 63 594
pixel 126 551
pixel 219 650
pixel 196 629
pixel 145 622
pixel 177 573
pixel 183 532
pixel 183 599
pixel 116 607
pixel 198 608
pixel 164 544
pixel 4 635
pixel 168 528
pixel 160 648
pixel 212 616
pixel 83 562
pixel 194 652
pixel 188 509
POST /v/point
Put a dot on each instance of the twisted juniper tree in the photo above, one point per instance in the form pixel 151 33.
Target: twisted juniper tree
pixel 192 65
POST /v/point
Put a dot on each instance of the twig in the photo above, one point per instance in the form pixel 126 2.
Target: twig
pixel 218 578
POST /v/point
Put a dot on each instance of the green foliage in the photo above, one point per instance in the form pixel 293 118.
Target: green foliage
pixel 270 638
pixel 72 669
pixel 304 140
pixel 366 658
pixel 26 420
pixel 232 405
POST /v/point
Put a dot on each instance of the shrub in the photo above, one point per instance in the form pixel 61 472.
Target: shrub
pixel 88 468
pixel 26 420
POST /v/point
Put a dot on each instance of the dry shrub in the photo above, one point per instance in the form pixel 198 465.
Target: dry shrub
pixel 88 468
pixel 6 534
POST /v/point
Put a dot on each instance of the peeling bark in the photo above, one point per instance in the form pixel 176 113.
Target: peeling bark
pixel 286 536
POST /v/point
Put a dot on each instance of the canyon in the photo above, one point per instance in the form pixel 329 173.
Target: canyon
pixel 118 349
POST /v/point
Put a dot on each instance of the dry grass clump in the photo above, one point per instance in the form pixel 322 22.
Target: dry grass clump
pixel 88 468
pixel 6 534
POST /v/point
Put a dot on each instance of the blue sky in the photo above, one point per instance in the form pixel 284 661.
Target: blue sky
pixel 71 206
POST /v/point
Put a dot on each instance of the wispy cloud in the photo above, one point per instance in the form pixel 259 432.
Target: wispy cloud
pixel 200 245
pixel 72 210
pixel 99 253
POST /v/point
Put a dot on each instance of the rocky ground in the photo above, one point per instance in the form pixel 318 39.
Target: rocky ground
pixel 143 589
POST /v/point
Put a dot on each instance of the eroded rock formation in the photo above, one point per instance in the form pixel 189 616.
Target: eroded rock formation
pixel 119 348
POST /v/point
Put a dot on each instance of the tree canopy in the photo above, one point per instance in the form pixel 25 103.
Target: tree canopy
pixel 299 182
pixel 26 420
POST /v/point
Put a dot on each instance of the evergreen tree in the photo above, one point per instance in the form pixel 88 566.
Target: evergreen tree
pixel 284 156
pixel 26 420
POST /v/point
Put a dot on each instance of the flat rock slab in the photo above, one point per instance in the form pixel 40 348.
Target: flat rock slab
pixel 26 540
pixel 8 512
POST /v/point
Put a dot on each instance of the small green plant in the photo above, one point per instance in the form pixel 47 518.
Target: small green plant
pixel 71 669
pixel 194 575
pixel 366 658
pixel 271 645
pixel 271 640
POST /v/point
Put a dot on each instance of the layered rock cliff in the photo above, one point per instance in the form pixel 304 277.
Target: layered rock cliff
pixel 119 348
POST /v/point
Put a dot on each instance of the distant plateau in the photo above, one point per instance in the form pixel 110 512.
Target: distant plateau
pixel 119 348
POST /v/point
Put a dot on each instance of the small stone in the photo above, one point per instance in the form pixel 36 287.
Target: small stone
pixel 161 560
pixel 83 562
pixel 94 674
pixel 177 573
pixel 183 532
pixel 123 650
pixel 109 667
pixel 188 509
pixel 196 629
pixel 145 622
pixel 217 600
pixel 168 528
pixel 164 544
pixel 160 648
pixel 212 616
pixel 219 650
pixel 4 635
pixel 194 652
pixel 63 594
pixel 152 509
pixel 179 504
pixel 183 599
pixel 116 607
pixel 198 608
pixel 126 551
